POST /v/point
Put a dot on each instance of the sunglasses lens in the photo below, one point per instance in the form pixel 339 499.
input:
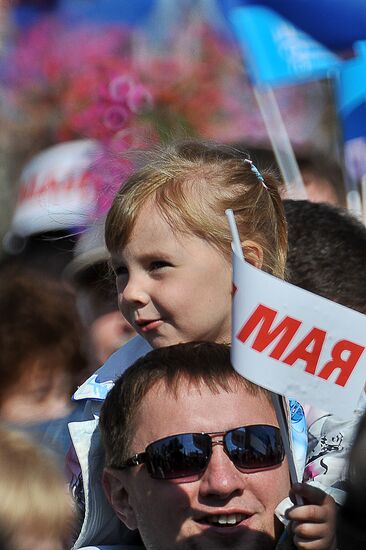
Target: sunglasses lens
pixel 178 456
pixel 255 447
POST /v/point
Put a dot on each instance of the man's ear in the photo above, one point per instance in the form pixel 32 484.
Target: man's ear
pixel 118 496
pixel 253 253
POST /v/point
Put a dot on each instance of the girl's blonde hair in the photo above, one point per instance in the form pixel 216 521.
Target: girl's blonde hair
pixel 192 183
pixel 34 496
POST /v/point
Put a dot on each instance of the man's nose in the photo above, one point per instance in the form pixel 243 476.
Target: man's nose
pixel 221 478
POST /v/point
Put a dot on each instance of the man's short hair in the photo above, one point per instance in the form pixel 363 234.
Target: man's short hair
pixel 327 252
pixel 197 364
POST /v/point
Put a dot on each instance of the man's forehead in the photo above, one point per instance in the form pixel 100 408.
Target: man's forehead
pixel 185 386
pixel 194 407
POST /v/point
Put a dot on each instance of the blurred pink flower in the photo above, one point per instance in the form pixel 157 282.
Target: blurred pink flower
pixel 139 99
pixel 120 87
pixel 98 80
pixel 115 117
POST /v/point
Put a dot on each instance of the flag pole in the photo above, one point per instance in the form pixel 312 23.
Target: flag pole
pixel 276 400
pixel 282 422
pixel 280 141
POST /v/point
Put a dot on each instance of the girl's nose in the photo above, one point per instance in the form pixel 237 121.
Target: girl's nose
pixel 134 293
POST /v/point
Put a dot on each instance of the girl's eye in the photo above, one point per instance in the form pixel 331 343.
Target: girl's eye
pixel 158 264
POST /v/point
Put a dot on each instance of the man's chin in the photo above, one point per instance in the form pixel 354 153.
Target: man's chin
pixel 248 540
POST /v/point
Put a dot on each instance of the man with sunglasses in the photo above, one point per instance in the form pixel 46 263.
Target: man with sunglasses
pixel 194 456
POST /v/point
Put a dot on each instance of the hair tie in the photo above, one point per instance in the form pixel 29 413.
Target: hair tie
pixel 255 170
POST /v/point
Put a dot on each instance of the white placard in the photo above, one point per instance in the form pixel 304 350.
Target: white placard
pixel 296 343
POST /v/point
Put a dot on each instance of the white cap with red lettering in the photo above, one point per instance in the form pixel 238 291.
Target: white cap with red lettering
pixel 56 191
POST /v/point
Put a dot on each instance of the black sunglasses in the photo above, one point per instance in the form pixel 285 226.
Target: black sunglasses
pixel 257 447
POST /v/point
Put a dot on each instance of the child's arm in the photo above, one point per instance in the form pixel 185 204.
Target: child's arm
pixel 314 522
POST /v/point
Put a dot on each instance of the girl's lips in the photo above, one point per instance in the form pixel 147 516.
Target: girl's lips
pixel 146 326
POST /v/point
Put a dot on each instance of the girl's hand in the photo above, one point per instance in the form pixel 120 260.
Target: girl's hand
pixel 314 522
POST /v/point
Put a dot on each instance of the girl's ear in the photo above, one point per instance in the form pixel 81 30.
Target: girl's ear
pixel 118 496
pixel 253 253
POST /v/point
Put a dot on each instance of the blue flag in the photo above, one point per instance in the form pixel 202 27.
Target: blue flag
pixel 352 81
pixel 275 51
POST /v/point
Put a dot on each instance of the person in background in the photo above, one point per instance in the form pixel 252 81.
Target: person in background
pixel 56 196
pixel 323 179
pixel 90 275
pixel 41 360
pixel 36 511
pixel 327 256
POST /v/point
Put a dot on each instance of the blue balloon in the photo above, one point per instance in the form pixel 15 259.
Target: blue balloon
pixel 335 23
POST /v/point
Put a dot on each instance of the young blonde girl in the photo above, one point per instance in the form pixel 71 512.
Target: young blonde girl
pixel 170 247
